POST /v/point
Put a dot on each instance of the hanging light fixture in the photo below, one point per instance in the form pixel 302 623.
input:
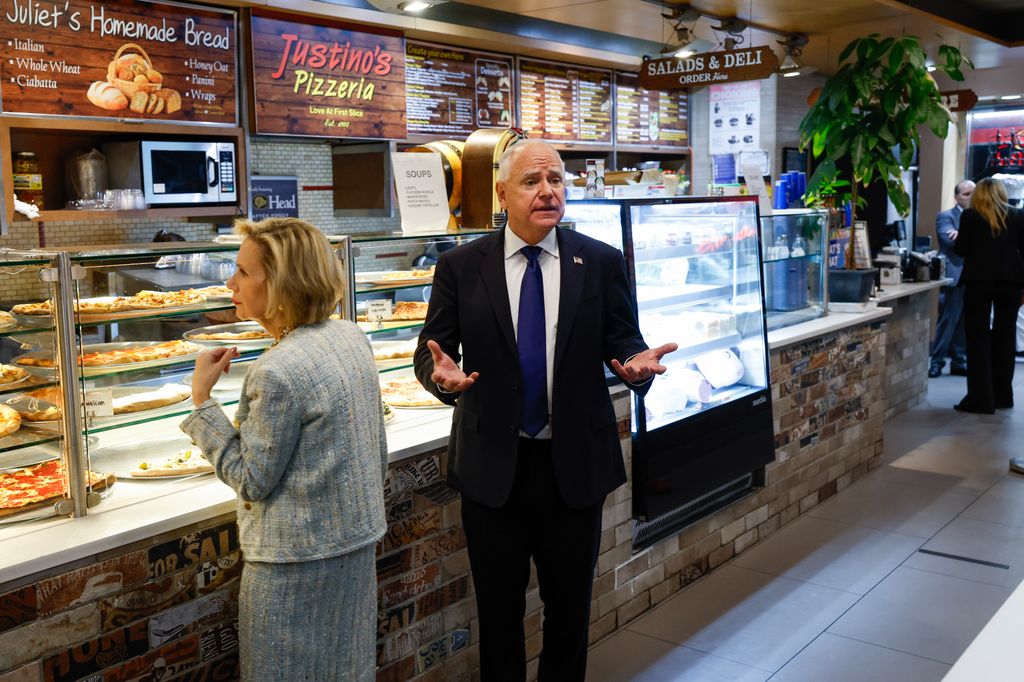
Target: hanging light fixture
pixel 791 65
pixel 686 43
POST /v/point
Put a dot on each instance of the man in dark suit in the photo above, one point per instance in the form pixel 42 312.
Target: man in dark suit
pixel 533 313
pixel 949 330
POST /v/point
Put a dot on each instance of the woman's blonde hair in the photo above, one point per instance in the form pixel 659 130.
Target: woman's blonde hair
pixel 989 200
pixel 304 279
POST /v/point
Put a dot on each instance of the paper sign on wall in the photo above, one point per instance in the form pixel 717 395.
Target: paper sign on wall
pixel 422 199
pixel 755 185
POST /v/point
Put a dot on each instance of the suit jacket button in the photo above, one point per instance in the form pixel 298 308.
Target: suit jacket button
pixel 248 506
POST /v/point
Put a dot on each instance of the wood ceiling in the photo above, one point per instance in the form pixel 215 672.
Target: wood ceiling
pixel 830 25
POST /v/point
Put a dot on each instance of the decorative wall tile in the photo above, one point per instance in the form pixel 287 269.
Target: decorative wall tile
pixel 148 599
pixel 158 664
pixel 89 583
pixel 412 475
pixel 96 654
pixel 394 564
pixel 212 575
pixel 439 493
pixel 411 638
pixel 436 546
pixel 34 639
pixel 409 530
pixel 28 673
pixel 17 607
pixel 394 619
pixel 406 587
pixel 399 506
pixel 448 594
pixel 193 549
pixel 192 616
pixel 223 670
pixel 218 640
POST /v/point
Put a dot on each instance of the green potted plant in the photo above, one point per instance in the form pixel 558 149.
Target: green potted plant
pixel 869 113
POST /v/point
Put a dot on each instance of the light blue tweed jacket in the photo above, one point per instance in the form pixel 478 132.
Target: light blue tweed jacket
pixel 309 454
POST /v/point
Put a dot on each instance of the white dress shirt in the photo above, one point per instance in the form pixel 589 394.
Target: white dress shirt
pixel 515 268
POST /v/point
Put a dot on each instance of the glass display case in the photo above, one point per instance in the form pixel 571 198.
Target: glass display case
pixel 703 432
pixel 794 275
pixel 391 279
pixel 115 332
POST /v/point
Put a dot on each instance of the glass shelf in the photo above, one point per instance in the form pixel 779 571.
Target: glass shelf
pixel 389 287
pixel 30 384
pixel 26 437
pixel 369 328
pixel 400 236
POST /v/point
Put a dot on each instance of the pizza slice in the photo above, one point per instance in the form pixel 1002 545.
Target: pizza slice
pixel 234 336
pixel 145 300
pixel 39 485
pixel 408 393
pixel 187 462
pixel 9 374
pixel 6 319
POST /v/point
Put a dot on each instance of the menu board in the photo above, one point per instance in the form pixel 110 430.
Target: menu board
pixel 565 103
pixel 119 59
pixel 454 92
pixel 326 79
pixel 649 117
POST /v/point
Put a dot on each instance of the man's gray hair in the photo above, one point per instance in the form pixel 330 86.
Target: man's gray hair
pixel 959 189
pixel 508 156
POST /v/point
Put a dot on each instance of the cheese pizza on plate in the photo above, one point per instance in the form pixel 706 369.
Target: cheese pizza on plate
pixel 44 404
pixel 86 306
pixel 118 356
pixel 165 299
pixel 234 336
pixel 188 461
pixel 407 393
pixel 9 374
pixel 6 319
pixel 39 485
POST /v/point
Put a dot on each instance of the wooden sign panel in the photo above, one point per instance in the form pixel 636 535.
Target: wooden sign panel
pixel 120 59
pixel 706 69
pixel 326 79
pixel 959 100
pixel 453 92
pixel 650 117
pixel 565 103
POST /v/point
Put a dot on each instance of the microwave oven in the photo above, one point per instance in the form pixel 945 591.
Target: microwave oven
pixel 174 173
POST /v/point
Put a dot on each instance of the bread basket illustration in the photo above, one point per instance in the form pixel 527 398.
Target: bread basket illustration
pixel 131 71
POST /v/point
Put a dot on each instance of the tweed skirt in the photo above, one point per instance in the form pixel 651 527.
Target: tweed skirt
pixel 310 620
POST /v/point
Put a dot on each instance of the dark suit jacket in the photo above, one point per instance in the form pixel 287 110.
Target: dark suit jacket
pixel 944 222
pixel 596 322
pixel 988 258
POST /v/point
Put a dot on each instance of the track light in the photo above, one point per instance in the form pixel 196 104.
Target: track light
pixel 791 65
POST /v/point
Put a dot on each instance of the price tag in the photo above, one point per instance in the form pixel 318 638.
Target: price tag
pixel 99 403
pixel 378 309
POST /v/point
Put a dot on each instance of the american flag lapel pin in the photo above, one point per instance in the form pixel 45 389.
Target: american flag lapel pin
pixel 577 260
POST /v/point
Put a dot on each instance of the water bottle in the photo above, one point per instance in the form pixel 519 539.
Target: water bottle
pixel 781 246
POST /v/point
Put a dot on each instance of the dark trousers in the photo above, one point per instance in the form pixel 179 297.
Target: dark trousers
pixel 990 350
pixel 563 542
pixel 950 337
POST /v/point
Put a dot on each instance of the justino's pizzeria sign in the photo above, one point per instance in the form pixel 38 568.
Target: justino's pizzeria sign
pixel 708 69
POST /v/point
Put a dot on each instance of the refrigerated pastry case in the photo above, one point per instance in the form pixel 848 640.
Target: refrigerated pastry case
pixel 703 433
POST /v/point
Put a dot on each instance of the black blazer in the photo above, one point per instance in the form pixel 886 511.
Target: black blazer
pixel 596 322
pixel 988 258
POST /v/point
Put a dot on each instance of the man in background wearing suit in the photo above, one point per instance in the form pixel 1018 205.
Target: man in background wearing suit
pixel 535 313
pixel 949 330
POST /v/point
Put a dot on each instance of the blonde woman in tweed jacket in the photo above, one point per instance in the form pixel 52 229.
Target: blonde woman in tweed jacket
pixel 307 457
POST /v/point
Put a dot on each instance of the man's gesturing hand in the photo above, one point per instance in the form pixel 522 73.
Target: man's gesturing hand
pixel 643 365
pixel 447 374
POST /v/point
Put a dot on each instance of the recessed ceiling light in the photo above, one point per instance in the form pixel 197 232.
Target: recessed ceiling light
pixel 414 6
pixel 1009 97
pixel 685 52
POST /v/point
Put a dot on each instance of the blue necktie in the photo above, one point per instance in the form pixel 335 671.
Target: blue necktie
pixel 532 344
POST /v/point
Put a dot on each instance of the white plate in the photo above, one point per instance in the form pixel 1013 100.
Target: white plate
pixel 50 372
pixel 236 327
pixel 121 458
pixel 116 392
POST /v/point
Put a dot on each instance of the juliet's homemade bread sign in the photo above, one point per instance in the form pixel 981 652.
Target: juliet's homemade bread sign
pixel 120 59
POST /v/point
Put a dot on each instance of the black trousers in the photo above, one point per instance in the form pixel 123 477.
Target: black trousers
pixel 563 543
pixel 990 350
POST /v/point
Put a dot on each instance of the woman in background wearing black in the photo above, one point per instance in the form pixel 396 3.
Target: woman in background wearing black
pixel 991 240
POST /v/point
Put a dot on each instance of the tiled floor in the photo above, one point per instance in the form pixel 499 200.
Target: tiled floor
pixel 863 587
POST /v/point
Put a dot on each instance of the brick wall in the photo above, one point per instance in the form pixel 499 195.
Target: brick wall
pixel 165 609
pixel 908 338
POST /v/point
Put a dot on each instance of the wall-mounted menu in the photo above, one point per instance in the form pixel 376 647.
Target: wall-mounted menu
pixel 454 92
pixel 649 117
pixel 326 79
pixel 567 103
pixel 119 59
